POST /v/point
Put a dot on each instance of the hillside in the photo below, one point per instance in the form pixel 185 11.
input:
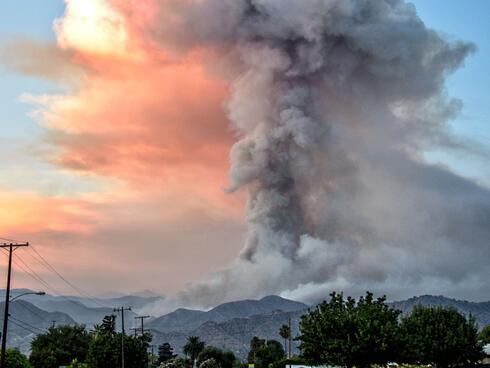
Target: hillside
pixel 187 319
pixel 481 310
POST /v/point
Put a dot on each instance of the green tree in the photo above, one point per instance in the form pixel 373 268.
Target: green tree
pixel 285 333
pixel 193 347
pixel 209 363
pixel 104 349
pixel 224 359
pixel 76 364
pixel 484 335
pixel 439 336
pixel 347 333
pixel 175 363
pixel 15 359
pixel 269 353
pixel 255 344
pixel 59 346
pixel 165 352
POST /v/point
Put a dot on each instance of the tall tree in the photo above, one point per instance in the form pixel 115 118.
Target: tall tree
pixel 165 352
pixel 347 333
pixel 59 346
pixel 255 344
pixel 440 336
pixel 269 353
pixel 105 347
pixel 15 359
pixel 285 333
pixel 484 335
pixel 224 359
pixel 193 347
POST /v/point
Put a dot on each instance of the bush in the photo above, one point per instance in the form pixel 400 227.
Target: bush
pixel 15 359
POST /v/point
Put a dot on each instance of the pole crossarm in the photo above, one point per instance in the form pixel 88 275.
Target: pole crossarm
pixel 142 318
pixel 122 310
pixel 11 247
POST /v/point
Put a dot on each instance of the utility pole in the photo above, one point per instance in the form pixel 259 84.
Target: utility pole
pixel 53 323
pixel 142 324
pixel 122 310
pixel 135 331
pixel 11 247
pixel 289 340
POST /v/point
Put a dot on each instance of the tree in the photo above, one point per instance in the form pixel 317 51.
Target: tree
pixel 269 353
pixel 76 364
pixel 104 349
pixel 193 347
pixel 255 345
pixel 175 363
pixel 440 336
pixel 59 347
pixel 15 359
pixel 484 335
pixel 165 352
pixel 209 363
pixel 285 333
pixel 349 333
pixel 224 359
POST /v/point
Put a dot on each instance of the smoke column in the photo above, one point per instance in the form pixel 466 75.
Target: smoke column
pixel 333 103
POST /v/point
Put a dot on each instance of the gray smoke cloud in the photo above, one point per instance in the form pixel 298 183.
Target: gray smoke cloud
pixel 334 103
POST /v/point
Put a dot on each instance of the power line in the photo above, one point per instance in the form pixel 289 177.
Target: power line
pixel 25 328
pixel 73 286
pixel 27 324
pixel 24 305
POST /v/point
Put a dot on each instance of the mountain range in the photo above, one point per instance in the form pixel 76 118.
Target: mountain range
pixel 228 326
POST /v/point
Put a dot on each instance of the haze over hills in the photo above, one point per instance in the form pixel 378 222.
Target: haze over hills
pixel 228 326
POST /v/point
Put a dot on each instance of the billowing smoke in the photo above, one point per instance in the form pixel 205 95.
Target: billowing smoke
pixel 334 103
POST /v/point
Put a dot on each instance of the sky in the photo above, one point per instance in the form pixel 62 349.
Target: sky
pixel 115 159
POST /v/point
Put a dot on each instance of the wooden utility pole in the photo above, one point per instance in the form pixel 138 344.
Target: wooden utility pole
pixel 142 324
pixel 122 310
pixel 289 340
pixel 135 331
pixel 11 247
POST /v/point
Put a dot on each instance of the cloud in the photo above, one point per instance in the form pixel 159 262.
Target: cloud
pixel 323 109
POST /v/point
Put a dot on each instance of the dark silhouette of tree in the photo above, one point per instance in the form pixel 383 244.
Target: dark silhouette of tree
pixel 225 359
pixel 165 352
pixel 439 336
pixel 345 333
pixel 285 333
pixel 484 335
pixel 255 344
pixel 269 353
pixel 59 346
pixel 15 359
pixel 193 347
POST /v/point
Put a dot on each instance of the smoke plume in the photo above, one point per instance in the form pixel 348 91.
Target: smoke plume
pixel 333 103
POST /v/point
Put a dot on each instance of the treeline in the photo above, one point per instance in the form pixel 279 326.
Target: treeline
pixel 342 332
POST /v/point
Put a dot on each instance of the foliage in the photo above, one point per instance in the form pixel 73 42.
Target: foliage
pixel 105 347
pixel 269 353
pixel 349 333
pixel 484 335
pixel 285 333
pixel 209 363
pixel 255 345
pixel 15 359
pixel 105 350
pixel 76 364
pixel 224 359
pixel 283 363
pixel 193 347
pixel 59 346
pixel 165 352
pixel 440 336
pixel 175 363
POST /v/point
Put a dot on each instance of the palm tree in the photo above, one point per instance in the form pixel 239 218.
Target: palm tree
pixel 285 333
pixel 193 347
